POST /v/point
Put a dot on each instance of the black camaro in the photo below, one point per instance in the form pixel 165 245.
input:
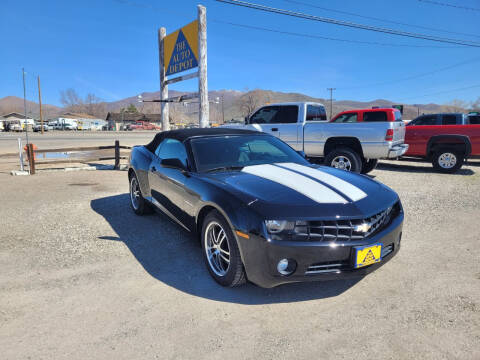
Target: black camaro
pixel 262 211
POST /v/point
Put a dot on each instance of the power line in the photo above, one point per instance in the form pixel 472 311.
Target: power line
pixel 375 18
pixel 328 38
pixel 442 92
pixel 414 77
pixel 449 5
pixel 349 24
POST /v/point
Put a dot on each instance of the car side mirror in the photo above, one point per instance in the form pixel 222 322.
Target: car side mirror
pixel 302 154
pixel 173 163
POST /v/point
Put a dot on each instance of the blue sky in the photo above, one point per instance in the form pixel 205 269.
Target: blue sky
pixel 109 48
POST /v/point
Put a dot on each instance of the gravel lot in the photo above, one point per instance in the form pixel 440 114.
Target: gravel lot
pixel 82 277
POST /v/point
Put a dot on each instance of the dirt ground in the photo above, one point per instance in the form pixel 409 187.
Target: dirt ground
pixel 82 277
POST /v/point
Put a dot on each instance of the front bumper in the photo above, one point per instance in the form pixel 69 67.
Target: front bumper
pixel 397 151
pixel 261 256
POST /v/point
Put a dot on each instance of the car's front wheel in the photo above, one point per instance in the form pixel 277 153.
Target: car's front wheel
pixel 221 252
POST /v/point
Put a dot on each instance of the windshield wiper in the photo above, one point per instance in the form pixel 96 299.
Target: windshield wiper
pixel 225 168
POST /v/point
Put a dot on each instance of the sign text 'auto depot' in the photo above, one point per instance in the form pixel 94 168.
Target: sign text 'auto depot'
pixel 181 49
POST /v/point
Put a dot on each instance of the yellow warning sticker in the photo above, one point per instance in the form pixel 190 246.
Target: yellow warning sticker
pixel 368 255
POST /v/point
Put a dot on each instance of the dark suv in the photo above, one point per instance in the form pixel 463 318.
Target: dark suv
pixel 440 119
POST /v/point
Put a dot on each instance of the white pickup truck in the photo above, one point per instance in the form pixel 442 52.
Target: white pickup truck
pixel 349 146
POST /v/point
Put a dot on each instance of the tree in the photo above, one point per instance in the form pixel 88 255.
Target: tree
pixel 475 105
pixel 249 102
pixel 456 105
pixel 91 105
pixel 131 108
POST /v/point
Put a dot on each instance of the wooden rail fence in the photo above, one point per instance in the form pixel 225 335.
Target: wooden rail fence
pixel 32 161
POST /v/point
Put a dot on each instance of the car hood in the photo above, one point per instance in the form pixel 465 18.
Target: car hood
pixel 293 191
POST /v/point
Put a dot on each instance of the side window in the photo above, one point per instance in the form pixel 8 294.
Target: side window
pixel 398 115
pixel 316 113
pixel 286 115
pixel 347 118
pixel 170 148
pixel 425 120
pixel 449 119
pixel 265 115
pixel 474 119
pixel 375 116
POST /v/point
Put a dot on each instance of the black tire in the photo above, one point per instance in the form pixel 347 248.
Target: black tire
pixel 369 165
pixel 352 163
pixel 234 273
pixel 139 205
pixel 447 160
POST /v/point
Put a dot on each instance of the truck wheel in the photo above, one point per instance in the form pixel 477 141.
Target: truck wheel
pixel 344 159
pixel 369 165
pixel 447 160
pixel 221 252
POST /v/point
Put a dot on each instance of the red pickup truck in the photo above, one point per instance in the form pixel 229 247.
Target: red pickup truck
pixel 446 146
pixel 368 115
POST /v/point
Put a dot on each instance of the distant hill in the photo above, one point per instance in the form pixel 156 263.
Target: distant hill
pixel 10 104
pixel 232 105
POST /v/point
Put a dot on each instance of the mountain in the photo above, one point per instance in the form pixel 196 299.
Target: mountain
pixel 10 104
pixel 225 104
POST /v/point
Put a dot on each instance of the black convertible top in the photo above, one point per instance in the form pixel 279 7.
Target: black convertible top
pixel 184 134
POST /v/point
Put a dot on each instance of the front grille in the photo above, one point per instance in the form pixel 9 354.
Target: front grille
pixel 345 230
pixel 386 250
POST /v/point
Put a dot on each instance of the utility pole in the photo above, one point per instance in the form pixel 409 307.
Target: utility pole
pixel 202 67
pixel 25 104
pixel 40 103
pixel 223 112
pixel 331 101
pixel 163 79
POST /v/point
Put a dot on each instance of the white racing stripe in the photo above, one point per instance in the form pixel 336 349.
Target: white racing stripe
pixel 302 184
pixel 342 186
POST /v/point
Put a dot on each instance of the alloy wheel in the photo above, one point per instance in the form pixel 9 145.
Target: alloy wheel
pixel 217 249
pixel 341 162
pixel 134 193
pixel 447 160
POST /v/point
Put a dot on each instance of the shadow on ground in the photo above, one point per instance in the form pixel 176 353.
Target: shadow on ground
pixel 423 167
pixel 173 256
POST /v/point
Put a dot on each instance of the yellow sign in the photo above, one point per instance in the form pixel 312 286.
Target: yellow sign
pixel 368 255
pixel 181 49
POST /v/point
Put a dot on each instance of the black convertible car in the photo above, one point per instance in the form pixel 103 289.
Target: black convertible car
pixel 262 211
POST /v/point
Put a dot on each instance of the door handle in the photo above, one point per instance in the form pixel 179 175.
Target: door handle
pixel 274 129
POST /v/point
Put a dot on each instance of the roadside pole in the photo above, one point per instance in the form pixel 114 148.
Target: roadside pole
pixel 25 104
pixel 202 67
pixel 40 103
pixel 331 101
pixel 20 153
pixel 162 32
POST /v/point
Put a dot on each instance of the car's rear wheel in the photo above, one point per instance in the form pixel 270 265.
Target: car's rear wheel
pixel 447 160
pixel 220 250
pixel 369 165
pixel 344 159
pixel 138 203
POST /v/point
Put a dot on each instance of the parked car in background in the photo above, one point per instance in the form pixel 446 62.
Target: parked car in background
pixel 473 117
pixel 142 125
pixel 38 127
pixel 446 146
pixel 440 119
pixel 262 212
pixel 368 115
pixel 348 145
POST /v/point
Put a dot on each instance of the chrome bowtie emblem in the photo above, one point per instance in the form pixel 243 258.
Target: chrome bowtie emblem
pixel 362 227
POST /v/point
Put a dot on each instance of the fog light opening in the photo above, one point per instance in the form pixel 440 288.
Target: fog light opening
pixel 286 266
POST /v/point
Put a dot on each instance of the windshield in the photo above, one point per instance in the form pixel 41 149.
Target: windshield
pixel 235 152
